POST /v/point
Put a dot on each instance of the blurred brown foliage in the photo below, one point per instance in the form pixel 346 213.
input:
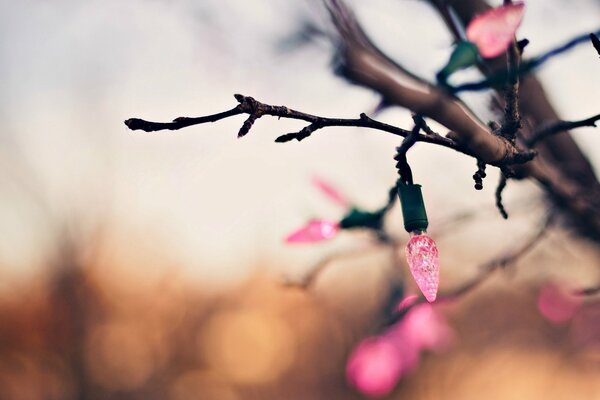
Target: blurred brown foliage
pixel 85 333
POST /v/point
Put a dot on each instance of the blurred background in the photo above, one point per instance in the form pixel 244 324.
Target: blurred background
pixel 150 265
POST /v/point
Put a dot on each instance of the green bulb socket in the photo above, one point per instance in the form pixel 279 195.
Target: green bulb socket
pixel 413 207
pixel 362 219
pixel 464 55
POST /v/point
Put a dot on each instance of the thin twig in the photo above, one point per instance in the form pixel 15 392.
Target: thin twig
pixel 256 109
pixel 595 42
pixel 587 291
pixel 525 68
pixel 501 185
pixel 182 122
pixel 560 126
pixel 402 166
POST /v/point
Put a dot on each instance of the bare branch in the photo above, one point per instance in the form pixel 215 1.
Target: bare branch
pixel 256 109
pixel 558 127
pixel 503 261
pixel 182 122
pixel 561 168
pixel 595 42
pixel 362 63
pixel 512 116
pixel 499 190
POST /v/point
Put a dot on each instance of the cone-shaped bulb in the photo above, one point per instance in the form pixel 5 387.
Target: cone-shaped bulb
pixel 494 30
pixel 423 260
pixel 315 230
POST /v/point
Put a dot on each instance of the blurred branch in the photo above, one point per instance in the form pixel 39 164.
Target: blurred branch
pixel 499 189
pixel 487 269
pixel 595 42
pixel 512 116
pixel 363 63
pixel 559 126
pixel 503 261
pixel 562 168
pixel 588 291
pixel 525 68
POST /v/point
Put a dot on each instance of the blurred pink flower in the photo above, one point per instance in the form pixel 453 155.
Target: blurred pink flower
pixel 494 30
pixel 379 362
pixel 557 303
pixel 315 230
pixel 330 192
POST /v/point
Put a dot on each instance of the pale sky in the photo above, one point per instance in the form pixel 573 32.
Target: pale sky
pixel 74 70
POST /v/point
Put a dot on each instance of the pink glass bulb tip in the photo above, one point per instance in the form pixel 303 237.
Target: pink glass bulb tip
pixel 330 192
pixel 423 260
pixel 494 30
pixel 316 230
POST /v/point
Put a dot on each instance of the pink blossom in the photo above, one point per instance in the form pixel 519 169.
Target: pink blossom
pixel 557 303
pixel 315 230
pixel 330 192
pixel 494 30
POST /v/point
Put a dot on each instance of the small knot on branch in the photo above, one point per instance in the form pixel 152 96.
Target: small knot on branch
pixel 252 107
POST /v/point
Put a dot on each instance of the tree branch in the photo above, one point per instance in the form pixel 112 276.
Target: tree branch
pixel 558 127
pixel 256 109
pixel 561 168
pixel 512 116
pixel 182 122
pixel 362 63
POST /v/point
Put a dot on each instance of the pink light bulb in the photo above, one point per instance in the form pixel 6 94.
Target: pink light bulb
pixel 494 30
pixel 422 258
pixel 375 366
pixel 330 192
pixel 315 230
pixel 557 303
